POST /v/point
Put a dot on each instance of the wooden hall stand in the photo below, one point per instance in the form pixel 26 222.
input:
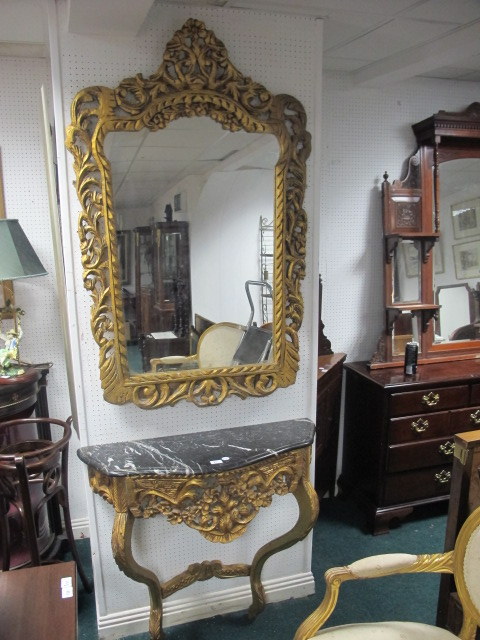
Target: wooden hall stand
pixel 212 481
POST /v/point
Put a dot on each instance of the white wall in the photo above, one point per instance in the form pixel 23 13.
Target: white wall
pixel 365 132
pixel 26 198
pixel 225 243
pixel 281 52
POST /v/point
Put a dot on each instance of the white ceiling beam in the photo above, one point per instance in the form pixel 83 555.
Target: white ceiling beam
pixel 101 17
pixel 457 45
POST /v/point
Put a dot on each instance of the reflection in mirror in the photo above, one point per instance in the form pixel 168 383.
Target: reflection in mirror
pixel 406 271
pixel 457 263
pixel 402 332
pixel 192 195
pixel 456 312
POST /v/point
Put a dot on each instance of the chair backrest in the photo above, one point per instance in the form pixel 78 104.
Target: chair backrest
pixel 38 454
pixel 218 343
pixel 466 568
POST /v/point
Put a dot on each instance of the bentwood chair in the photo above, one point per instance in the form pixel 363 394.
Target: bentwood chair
pixel 463 562
pixel 34 473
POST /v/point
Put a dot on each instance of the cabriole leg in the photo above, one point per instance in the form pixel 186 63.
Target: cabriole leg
pixel 122 552
pixel 308 512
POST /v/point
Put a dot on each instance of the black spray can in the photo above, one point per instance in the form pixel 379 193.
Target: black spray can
pixel 411 355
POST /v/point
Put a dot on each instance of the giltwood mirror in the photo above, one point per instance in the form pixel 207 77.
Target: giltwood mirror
pixel 173 172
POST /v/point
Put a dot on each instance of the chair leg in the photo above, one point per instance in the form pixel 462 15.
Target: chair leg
pixel 4 534
pixel 28 517
pixel 87 584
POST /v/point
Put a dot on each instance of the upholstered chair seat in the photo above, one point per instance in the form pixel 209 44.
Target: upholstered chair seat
pixel 385 631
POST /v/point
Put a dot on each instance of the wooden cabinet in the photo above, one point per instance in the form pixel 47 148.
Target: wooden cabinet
pixel 329 390
pixel 171 278
pixel 398 435
pixel 143 279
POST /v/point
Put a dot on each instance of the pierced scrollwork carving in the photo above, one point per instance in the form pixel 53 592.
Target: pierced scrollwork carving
pixel 196 78
pixel 219 505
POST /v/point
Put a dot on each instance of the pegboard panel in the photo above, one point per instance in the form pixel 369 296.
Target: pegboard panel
pixel 26 198
pixel 277 51
pixel 365 132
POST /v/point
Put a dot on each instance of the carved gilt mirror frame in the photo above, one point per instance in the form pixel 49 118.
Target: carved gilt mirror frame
pixel 196 78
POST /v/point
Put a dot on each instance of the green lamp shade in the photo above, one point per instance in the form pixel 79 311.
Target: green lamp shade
pixel 17 257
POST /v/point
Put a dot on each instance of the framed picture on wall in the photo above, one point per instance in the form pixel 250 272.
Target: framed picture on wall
pixel 180 203
pixel 467 260
pixel 410 256
pixel 124 253
pixel 466 218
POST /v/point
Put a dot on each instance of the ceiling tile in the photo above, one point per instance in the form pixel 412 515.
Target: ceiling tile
pixel 334 63
pixel 447 73
pixel 472 76
pixel 320 7
pixel 393 37
pixel 342 26
pixel 458 11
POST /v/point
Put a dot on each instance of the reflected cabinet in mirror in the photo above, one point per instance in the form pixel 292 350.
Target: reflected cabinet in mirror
pixel 432 244
pixel 175 174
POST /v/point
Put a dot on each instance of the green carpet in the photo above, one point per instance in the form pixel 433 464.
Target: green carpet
pixel 339 538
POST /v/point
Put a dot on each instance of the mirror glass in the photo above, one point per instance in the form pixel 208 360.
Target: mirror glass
pixel 402 332
pixel 457 253
pixel 189 201
pixel 406 271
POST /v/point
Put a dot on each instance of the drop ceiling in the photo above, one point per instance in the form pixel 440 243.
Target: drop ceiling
pixel 376 41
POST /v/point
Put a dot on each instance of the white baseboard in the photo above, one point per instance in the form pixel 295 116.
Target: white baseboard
pixel 81 528
pixel 134 621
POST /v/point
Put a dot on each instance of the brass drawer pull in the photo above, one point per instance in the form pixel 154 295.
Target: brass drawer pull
pixel 443 477
pixel 431 399
pixel 419 425
pixel 447 448
pixel 475 418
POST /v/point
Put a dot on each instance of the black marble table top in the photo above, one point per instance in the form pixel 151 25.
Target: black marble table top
pixel 193 454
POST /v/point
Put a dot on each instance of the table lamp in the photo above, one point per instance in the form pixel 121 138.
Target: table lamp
pixel 17 260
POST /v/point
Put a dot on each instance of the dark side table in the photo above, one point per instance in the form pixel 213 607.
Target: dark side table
pixel 212 481
pixel 20 396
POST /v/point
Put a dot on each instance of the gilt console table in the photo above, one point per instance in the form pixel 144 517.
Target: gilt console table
pixel 212 481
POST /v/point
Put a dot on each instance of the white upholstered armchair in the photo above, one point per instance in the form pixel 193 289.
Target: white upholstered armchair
pixel 463 562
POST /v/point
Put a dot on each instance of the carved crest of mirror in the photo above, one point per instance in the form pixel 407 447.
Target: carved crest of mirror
pixel 432 244
pixel 173 173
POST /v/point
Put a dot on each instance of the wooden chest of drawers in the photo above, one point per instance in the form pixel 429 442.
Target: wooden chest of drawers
pixel 398 434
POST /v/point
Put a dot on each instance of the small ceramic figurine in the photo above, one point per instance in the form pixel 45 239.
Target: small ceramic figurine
pixel 9 352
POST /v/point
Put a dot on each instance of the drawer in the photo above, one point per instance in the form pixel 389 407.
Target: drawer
pixel 430 453
pixel 475 397
pixel 429 400
pixel 420 427
pixel 417 485
pixel 465 419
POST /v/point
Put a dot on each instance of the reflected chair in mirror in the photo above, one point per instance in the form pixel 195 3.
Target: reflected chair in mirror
pixel 216 347
pixel 33 472
pixel 459 312
pixel 463 562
